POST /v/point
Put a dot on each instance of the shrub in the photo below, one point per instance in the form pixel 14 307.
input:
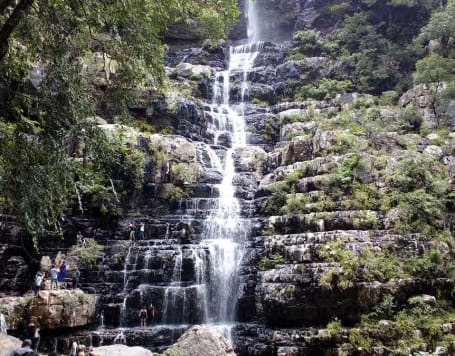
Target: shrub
pixel 323 89
pixel 410 119
pixel 267 263
pixel 86 255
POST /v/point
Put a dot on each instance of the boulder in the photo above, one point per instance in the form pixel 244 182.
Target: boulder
pixel 250 159
pixel 189 70
pixel 45 263
pixel 14 309
pixel 434 151
pixel 201 341
pixel 8 344
pixel 120 350
pixel 53 309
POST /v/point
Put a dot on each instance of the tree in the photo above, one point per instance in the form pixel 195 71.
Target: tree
pixel 442 27
pixel 39 120
pixel 434 70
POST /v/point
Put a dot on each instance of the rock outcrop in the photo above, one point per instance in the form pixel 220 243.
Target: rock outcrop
pixel 51 310
pixel 201 341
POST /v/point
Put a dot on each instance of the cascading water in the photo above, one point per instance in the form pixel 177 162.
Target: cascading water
pixel 188 280
pixel 3 325
pixel 225 232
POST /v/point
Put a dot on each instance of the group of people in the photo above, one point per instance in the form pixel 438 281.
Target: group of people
pixel 147 313
pixel 57 277
pixel 58 274
pixel 132 231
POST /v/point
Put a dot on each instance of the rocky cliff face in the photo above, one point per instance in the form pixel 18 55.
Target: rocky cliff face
pixel 342 195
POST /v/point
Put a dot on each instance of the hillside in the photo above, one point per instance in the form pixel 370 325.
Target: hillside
pixel 295 187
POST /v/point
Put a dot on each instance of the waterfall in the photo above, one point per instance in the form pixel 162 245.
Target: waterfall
pixel 252 21
pixel 225 232
pixel 3 325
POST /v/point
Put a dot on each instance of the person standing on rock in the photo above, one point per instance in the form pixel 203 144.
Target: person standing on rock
pixel 132 232
pixel 143 317
pixel 151 313
pixel 79 238
pixel 76 274
pixel 141 231
pixel 62 273
pixel 38 282
pixel 54 276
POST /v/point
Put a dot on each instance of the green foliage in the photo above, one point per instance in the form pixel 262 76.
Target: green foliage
pixel 259 102
pixel 441 27
pixel 174 194
pixel 367 265
pixel 434 69
pixel 311 44
pixel 323 89
pixel 403 321
pixel 389 98
pixel 85 255
pixel 269 132
pixel 40 125
pixel 410 118
pixel 433 264
pixel 420 187
pixel 267 263
pixel 183 173
pixel 273 204
pixel 282 198
pixel 295 204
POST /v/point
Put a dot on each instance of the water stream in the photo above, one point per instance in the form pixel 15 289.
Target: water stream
pixel 225 231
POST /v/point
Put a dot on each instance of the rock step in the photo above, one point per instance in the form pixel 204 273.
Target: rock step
pixel 326 221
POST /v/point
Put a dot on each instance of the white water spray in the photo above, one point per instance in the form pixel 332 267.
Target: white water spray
pixel 225 231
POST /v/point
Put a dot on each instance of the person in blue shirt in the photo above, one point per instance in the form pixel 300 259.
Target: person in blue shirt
pixel 54 275
pixel 62 273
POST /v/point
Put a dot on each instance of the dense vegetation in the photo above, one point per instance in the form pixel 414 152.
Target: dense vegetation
pixel 62 63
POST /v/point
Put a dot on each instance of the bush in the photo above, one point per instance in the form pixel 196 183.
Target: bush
pixel 312 44
pixel 323 89
pixel 86 255
pixel 267 263
pixel 410 119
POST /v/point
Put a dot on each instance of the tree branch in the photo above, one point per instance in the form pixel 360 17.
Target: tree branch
pixel 11 24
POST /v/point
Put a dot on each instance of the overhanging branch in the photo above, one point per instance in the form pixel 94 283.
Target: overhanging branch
pixel 11 24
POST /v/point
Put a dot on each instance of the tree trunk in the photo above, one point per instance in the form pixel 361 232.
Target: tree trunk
pixel 11 23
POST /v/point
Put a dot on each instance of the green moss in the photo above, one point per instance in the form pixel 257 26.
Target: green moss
pixel 259 102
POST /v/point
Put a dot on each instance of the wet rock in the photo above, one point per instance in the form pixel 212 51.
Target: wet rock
pixel 62 309
pixel 201 341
